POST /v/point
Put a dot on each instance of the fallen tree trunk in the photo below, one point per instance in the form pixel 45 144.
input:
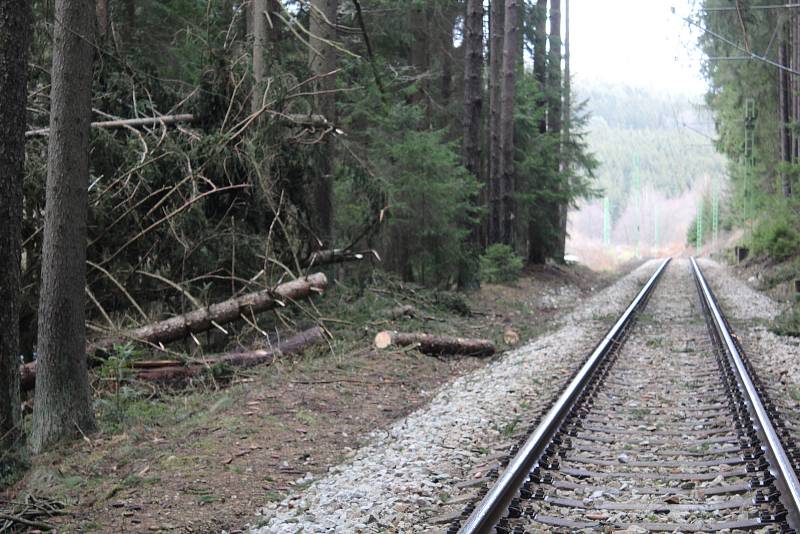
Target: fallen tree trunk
pixel 431 344
pixel 200 320
pixel 327 257
pixel 216 315
pixel 166 370
pixel 292 345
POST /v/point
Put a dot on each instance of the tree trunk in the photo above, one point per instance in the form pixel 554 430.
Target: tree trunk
pixel 431 344
pixel 554 116
pixel 294 344
pixel 15 20
pixel 473 106
pixel 101 11
pixel 63 404
pixel 322 59
pixel 221 313
pixel 420 16
pixel 259 52
pixel 129 21
pixel 536 247
pixel 508 98
pixel 473 86
pixel 497 27
pixel 784 116
pixel 564 153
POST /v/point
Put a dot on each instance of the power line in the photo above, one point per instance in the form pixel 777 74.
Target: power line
pixel 752 55
pixel 734 8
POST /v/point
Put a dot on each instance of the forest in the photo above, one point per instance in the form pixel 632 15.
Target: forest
pixel 176 167
pixel 752 60
pixel 665 140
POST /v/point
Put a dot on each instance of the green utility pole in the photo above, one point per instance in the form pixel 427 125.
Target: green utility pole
pixel 637 195
pixel 606 222
pixel 749 157
pixel 715 209
pixel 699 237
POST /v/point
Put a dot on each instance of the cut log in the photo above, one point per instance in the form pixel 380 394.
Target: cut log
pixel 327 257
pixel 292 345
pixel 180 326
pixel 432 344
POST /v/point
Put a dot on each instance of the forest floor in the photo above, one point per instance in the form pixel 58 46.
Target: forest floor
pixel 205 457
pixel 781 281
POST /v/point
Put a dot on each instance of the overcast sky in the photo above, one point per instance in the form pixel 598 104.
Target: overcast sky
pixel 636 42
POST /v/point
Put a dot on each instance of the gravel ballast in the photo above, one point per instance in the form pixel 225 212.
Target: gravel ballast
pixel 776 358
pixel 406 475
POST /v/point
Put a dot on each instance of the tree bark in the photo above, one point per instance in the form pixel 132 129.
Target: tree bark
pixel 221 313
pixel 554 116
pixel 536 248
pixel 101 10
pixel 508 98
pixel 322 60
pixel 431 344
pixel 259 52
pixel 473 86
pixel 15 22
pixel 129 21
pixel 62 407
pixel 473 109
pixel 563 209
pixel 496 25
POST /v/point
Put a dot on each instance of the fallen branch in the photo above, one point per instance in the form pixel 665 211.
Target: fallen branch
pixel 432 344
pixel 292 345
pixel 298 119
pixel 213 316
pixel 124 123
pixel 327 257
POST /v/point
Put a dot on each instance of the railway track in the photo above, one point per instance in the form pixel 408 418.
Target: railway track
pixel 665 428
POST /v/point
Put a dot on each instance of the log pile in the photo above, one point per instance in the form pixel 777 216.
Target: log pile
pixel 434 344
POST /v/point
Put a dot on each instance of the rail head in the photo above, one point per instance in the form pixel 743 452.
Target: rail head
pixel 491 508
pixel 782 467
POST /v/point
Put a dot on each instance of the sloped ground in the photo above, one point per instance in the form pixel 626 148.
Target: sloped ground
pixel 203 458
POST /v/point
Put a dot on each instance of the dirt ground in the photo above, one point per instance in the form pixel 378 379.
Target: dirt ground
pixel 205 457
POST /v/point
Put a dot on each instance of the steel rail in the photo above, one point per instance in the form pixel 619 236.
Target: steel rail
pixel 782 468
pixel 494 505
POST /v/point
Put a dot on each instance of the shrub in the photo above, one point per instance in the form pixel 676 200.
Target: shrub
pixel 500 264
pixel 776 237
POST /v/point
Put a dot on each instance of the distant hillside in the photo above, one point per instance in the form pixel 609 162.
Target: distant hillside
pixel 662 131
